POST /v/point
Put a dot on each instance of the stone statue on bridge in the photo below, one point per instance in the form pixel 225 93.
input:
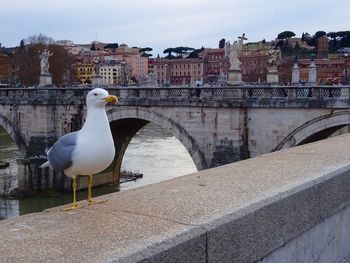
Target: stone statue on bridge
pixel 96 67
pixel 274 56
pixel 45 78
pixel 233 50
pixel 44 61
pixel 232 53
pixel 96 79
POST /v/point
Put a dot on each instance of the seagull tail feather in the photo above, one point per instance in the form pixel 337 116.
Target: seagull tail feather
pixel 44 165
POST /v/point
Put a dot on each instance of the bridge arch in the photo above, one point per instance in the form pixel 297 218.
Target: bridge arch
pixel 14 133
pixel 140 116
pixel 316 129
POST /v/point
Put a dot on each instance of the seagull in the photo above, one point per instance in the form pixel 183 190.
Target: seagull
pixel 89 150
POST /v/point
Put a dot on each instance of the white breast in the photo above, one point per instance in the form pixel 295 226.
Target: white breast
pixel 95 150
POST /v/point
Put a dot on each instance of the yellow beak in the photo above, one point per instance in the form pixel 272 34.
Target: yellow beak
pixel 112 99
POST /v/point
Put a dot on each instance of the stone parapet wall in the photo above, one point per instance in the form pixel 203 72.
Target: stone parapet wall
pixel 279 205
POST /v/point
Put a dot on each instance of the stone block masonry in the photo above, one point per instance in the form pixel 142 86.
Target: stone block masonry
pixel 216 125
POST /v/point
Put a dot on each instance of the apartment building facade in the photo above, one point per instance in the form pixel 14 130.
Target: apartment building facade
pixel 179 71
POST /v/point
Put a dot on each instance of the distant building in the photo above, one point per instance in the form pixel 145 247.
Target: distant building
pixel 216 64
pixel 329 71
pixel 296 43
pixel 124 50
pixel 254 62
pixel 346 79
pixel 187 71
pixel 65 43
pixel 84 72
pixel 111 73
pixel 137 65
pixel 322 47
pixel 97 46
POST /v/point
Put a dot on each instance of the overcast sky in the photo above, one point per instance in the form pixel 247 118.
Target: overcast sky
pixel 160 24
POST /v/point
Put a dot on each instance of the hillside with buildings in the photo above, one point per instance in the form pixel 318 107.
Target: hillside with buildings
pixel 119 64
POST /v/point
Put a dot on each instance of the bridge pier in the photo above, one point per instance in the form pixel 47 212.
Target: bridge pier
pixel 32 179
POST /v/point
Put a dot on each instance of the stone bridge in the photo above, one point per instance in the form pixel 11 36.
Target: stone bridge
pixel 217 125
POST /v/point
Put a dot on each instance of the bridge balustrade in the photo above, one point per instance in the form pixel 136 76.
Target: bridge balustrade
pixel 77 95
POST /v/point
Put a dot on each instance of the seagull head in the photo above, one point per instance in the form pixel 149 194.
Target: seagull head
pixel 99 98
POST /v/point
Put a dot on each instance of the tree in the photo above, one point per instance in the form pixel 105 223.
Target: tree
pixel 93 48
pixel 345 40
pixel 305 36
pixel 181 51
pixel 111 46
pixel 40 39
pixel 222 43
pixel 285 35
pixel 195 53
pixel 144 52
pixel 332 35
pixel 279 43
pixel 310 40
pixel 319 34
pixel 21 44
pixel 28 63
pixel 169 51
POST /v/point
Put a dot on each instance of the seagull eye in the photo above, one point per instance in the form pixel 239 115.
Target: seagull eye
pixel 95 94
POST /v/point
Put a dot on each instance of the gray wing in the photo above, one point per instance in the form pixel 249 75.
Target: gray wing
pixel 60 154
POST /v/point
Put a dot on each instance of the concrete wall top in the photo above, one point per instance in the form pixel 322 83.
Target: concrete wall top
pixel 234 213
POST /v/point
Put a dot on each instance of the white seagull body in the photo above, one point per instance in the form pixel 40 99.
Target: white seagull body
pixel 89 150
pixel 94 149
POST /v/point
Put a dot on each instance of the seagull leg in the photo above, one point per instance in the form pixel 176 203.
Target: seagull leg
pixel 74 205
pixel 90 200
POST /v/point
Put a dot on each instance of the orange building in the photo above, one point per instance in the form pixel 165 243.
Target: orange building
pixel 84 72
pixel 329 71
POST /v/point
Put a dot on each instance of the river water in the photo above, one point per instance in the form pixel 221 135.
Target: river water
pixel 154 152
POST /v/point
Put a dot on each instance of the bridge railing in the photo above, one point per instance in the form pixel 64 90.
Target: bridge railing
pixel 71 95
pixel 249 92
